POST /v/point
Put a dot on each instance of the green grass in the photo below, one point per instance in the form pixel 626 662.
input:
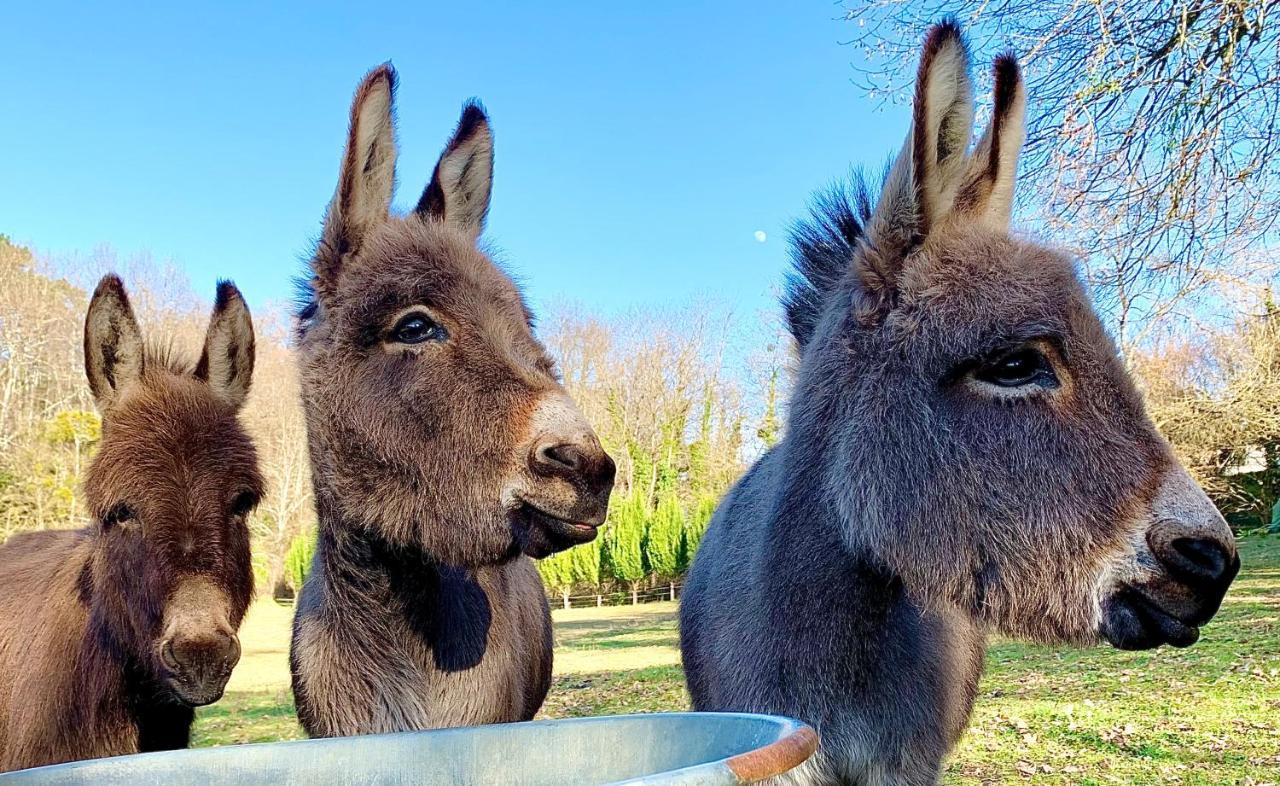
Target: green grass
pixel 1209 714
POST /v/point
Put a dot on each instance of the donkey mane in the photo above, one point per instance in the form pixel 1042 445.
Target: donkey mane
pixel 305 305
pixel 822 249
pixel 165 355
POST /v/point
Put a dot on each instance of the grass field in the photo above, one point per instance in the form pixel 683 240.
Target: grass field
pixel 1205 715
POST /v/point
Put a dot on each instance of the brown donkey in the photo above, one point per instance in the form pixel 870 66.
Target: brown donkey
pixel 965 455
pixel 443 452
pixel 111 634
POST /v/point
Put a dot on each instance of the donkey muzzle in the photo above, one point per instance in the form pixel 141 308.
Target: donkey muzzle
pixel 1190 559
pixel 568 478
pixel 199 647
pixel 199 666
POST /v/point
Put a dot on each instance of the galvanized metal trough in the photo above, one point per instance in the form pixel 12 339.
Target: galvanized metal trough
pixel 685 748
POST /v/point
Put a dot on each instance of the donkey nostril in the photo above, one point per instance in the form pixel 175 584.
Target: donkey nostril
pixel 168 655
pixel 231 652
pixel 1204 558
pixel 561 456
pixel 608 470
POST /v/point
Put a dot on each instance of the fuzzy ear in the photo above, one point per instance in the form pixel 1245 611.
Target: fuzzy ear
pixel 367 178
pixel 988 191
pixel 941 122
pixel 113 350
pixel 226 363
pixel 922 182
pixel 458 193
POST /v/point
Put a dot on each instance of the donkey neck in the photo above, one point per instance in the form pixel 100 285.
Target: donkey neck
pixel 444 608
pixel 808 514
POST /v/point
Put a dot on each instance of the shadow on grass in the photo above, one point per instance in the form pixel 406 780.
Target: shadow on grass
pixel 620 640
pixel 653 689
pixel 247 716
pixel 639 619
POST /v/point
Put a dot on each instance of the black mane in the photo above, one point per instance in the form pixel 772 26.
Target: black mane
pixel 305 302
pixel 822 248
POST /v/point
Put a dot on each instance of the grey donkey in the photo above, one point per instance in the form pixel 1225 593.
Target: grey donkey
pixel 965 455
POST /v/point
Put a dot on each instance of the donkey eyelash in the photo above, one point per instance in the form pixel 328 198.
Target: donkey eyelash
pixel 408 329
pixel 244 504
pixel 118 515
pixel 1028 370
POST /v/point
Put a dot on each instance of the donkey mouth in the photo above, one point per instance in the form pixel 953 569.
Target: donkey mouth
pixel 1132 621
pixel 196 695
pixel 540 533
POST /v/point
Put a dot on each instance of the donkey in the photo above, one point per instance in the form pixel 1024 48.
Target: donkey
pixel 965 454
pixel 444 453
pixel 110 635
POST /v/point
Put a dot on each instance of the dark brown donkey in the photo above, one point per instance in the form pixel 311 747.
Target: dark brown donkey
pixel 965 454
pixel 443 452
pixel 111 634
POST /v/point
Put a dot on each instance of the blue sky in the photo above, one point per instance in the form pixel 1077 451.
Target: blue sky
pixel 639 145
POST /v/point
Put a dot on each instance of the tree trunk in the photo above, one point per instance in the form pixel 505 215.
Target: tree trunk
pixel 635 597
pixel 565 595
pixel 673 590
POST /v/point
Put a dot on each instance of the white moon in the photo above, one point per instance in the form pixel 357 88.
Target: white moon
pixel 761 236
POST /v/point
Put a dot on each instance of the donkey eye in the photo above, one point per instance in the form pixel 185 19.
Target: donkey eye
pixel 119 515
pixel 244 503
pixel 1024 366
pixel 416 328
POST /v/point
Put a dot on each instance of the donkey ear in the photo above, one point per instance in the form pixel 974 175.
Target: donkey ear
pixel 941 122
pixel 113 351
pixel 922 183
pixel 226 363
pixel 988 191
pixel 458 193
pixel 367 178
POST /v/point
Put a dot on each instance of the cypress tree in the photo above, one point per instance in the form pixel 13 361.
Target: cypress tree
pixel 624 541
pixel 557 573
pixel 297 561
pixel 585 563
pixel 696 527
pixel 665 537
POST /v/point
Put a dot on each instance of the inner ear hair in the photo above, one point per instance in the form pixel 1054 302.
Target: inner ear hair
pixel 114 356
pixel 227 361
pixel 925 175
pixel 988 192
pixel 941 122
pixel 462 182
pixel 366 180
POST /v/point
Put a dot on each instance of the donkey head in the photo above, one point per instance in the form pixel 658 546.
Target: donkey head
pixel 435 416
pixel 174 478
pixel 1002 459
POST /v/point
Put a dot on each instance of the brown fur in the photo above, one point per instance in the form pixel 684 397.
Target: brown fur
pixel 923 497
pixel 88 622
pixel 438 465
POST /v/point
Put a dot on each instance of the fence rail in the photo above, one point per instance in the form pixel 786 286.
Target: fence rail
pixel 621 597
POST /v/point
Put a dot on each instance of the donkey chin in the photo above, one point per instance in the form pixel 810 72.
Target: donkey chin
pixel 542 526
pixel 1182 559
pixel 198 648
pixel 552 512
